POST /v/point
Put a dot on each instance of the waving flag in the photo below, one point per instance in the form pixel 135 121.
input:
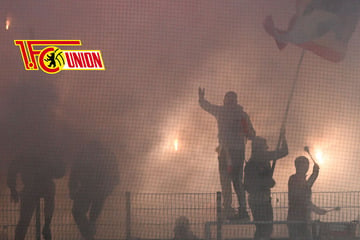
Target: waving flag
pixel 321 26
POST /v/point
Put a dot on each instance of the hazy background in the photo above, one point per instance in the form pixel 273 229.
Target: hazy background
pixel 157 54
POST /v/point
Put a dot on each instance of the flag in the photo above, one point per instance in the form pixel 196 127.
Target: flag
pixel 323 27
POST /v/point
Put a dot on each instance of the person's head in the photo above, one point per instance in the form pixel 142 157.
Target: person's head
pixel 302 165
pixel 182 225
pixel 258 145
pixel 230 98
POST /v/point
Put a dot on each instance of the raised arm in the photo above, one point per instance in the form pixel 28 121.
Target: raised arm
pixel 206 105
pixel 282 151
pixel 310 182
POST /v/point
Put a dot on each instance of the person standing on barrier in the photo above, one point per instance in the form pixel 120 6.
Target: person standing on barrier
pixel 300 204
pixel 234 128
pixel 38 166
pixel 93 177
pixel 259 180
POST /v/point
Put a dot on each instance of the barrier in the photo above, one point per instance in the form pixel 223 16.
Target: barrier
pixel 153 215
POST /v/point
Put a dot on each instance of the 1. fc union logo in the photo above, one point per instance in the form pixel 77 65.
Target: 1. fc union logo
pixel 52 59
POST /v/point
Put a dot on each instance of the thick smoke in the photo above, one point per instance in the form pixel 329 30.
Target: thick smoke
pixel 156 56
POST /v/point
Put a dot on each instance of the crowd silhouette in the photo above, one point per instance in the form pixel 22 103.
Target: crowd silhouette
pixel 94 175
pixel 234 129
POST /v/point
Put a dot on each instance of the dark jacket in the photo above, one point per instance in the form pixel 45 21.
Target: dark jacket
pixel 95 168
pixel 234 125
pixel 258 172
pixel 258 177
pixel 37 167
pixel 299 196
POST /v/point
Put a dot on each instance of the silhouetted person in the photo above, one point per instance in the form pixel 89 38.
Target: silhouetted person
pixel 300 204
pixel 234 128
pixel 93 178
pixel 182 229
pixel 259 180
pixel 38 166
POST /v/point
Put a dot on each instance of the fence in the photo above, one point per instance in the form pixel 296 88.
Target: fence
pixel 153 215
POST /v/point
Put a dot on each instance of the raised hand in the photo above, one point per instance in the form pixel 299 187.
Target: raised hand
pixel 201 93
pixel 316 167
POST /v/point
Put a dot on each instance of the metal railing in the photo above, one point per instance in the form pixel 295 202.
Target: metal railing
pixel 153 215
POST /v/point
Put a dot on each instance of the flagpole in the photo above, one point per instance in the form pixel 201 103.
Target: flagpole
pixel 289 102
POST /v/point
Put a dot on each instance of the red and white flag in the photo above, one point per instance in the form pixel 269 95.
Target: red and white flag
pixel 323 27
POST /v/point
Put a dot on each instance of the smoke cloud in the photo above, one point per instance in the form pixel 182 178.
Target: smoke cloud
pixel 156 55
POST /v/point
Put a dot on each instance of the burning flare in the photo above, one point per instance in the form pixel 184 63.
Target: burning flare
pixel 319 156
pixel 7 23
pixel 176 144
